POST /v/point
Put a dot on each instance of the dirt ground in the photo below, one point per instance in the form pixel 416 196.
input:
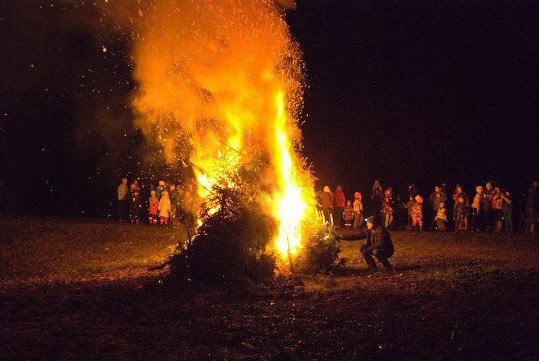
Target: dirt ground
pixel 81 290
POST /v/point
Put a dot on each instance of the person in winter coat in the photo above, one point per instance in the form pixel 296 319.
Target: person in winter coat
pixel 348 214
pixel 477 210
pixel 153 204
pixel 497 209
pixel 417 212
pixel 358 210
pixel 412 192
pixel 134 210
pixel 387 207
pixel 379 243
pixel 441 218
pixel 339 201
pixel 488 215
pixel 507 208
pixel 326 201
pixel 159 189
pixel 173 195
pixel 459 193
pixel 164 208
pixel 377 196
pixel 461 214
pixel 123 198
pixel 435 199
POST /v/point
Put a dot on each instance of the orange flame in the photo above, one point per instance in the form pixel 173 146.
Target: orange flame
pixel 227 74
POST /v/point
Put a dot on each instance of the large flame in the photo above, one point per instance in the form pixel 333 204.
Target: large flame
pixel 226 75
pixel 289 205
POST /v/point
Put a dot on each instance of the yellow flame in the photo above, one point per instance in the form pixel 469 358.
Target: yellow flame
pixel 227 75
pixel 290 207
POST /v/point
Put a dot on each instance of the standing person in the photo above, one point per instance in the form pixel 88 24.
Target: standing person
pixel 417 212
pixel 488 218
pixel 123 194
pixel 326 200
pixel 497 209
pixel 507 208
pixel 153 204
pixel 477 210
pixel 160 188
pixel 348 214
pixel 339 201
pixel 379 243
pixel 173 195
pixel 441 218
pixel 135 203
pixel 377 196
pixel 412 192
pixel 387 207
pixel 164 208
pixel 532 207
pixel 435 199
pixel 461 214
pixel 459 193
pixel 358 210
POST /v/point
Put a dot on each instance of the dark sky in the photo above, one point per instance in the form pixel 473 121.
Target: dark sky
pixel 420 91
pixel 404 91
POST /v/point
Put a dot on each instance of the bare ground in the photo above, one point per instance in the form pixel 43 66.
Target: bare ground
pixel 81 290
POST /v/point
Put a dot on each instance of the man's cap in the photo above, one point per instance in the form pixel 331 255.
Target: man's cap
pixel 375 220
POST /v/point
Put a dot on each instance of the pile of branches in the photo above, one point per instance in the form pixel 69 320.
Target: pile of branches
pixel 321 253
pixel 232 243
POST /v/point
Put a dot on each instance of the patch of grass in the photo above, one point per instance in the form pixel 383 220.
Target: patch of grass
pixel 69 250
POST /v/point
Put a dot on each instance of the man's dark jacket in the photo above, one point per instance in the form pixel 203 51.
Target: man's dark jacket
pixel 378 238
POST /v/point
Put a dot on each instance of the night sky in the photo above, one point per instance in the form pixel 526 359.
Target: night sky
pixel 404 91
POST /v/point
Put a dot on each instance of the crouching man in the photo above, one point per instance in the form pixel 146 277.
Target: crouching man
pixel 379 243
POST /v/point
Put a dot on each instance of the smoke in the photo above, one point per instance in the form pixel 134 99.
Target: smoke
pixel 209 71
pixel 287 4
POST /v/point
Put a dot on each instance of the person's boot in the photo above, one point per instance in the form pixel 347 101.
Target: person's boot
pixel 370 262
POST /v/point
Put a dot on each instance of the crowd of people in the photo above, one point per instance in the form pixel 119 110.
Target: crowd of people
pixel 490 209
pixel 155 205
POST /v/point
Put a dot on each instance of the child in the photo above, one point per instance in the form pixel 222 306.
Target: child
pixel 416 212
pixel 164 208
pixel 159 190
pixel 358 210
pixel 441 217
pixel 153 206
pixel 461 214
pixel 387 208
pixel 497 209
pixel 348 214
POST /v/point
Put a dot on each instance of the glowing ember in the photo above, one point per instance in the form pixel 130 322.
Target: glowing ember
pixel 227 76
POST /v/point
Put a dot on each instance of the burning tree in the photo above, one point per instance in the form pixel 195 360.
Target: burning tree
pixel 234 239
pixel 227 75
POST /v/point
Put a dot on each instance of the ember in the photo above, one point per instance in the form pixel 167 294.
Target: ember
pixel 227 75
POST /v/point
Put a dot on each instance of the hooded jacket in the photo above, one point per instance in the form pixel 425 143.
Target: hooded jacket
pixel 378 238
pixel 326 198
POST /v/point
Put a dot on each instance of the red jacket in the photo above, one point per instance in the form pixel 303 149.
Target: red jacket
pixel 339 200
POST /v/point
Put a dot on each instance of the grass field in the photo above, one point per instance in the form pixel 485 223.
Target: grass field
pixel 81 290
